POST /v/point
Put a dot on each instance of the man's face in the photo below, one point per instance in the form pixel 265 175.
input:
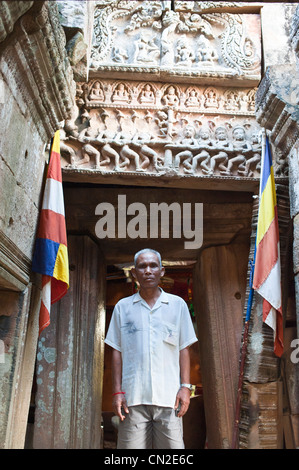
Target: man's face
pixel 148 271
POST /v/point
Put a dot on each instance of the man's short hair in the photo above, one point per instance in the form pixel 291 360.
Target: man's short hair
pixel 146 250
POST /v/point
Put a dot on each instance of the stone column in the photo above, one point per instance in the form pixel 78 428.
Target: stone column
pixel 19 330
pixel 277 110
pixel 261 415
pixel 35 95
pixel 219 293
pixel 69 369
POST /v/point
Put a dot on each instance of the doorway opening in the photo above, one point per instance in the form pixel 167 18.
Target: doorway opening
pixel 178 280
pixel 99 278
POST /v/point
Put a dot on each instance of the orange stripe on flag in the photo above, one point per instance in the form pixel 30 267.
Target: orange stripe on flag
pixel 44 317
pixel 52 226
pixel 54 170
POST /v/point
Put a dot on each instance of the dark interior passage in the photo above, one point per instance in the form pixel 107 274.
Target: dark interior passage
pixel 178 280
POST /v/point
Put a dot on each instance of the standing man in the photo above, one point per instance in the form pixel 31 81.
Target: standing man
pixel 150 333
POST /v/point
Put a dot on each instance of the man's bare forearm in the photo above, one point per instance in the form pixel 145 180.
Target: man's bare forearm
pixel 119 399
pixel 116 371
pixel 185 365
pixel 183 396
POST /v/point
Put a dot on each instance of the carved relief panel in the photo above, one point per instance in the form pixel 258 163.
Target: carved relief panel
pixel 158 128
pixel 198 40
pixel 171 91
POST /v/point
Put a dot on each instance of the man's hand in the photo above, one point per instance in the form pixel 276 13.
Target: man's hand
pixel 182 400
pixel 183 395
pixel 118 403
pixel 119 400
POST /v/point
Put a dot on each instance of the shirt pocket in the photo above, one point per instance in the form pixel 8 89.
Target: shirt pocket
pixel 170 334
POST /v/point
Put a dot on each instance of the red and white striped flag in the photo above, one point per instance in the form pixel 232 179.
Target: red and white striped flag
pixel 51 255
pixel 267 276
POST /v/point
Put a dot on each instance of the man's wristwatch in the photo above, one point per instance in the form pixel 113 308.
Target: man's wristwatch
pixel 190 386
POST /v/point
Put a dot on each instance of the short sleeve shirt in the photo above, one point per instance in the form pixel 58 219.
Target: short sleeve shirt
pixel 150 341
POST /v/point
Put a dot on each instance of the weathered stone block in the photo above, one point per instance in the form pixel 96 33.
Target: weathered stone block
pixel 276 47
pixel 261 419
pixel 76 48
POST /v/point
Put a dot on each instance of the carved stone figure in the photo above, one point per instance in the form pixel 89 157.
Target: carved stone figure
pixel 254 161
pixel 185 156
pixel 184 54
pixel 219 160
pixel 239 139
pixel 109 152
pixel 127 154
pixel 211 98
pixel 240 145
pixel 188 138
pixel 221 139
pixel 147 95
pixel 207 54
pixel 90 151
pixel 66 150
pixel 162 121
pixel 204 138
pixel 192 99
pixel 146 51
pixel 96 92
pixel 231 102
pixel 170 98
pixel 203 159
pixel 119 54
pixel 120 94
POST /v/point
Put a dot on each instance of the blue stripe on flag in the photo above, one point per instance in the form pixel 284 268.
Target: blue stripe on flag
pixel 267 166
pixel 44 257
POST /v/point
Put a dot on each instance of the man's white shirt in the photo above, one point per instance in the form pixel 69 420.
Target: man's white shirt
pixel 150 341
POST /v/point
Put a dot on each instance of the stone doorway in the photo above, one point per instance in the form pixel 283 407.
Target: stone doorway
pixel 71 360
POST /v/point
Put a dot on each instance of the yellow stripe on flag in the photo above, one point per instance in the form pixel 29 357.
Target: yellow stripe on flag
pixel 56 142
pixel 267 206
pixel 61 268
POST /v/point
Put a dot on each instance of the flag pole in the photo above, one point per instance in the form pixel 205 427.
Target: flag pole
pixel 235 439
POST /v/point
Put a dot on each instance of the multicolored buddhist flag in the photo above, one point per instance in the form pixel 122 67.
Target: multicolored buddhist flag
pixel 267 275
pixel 51 255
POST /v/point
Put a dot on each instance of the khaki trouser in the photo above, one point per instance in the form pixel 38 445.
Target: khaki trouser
pixel 150 427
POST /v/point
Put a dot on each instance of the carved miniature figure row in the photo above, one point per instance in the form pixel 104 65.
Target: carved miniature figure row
pixel 147 94
pixel 207 155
